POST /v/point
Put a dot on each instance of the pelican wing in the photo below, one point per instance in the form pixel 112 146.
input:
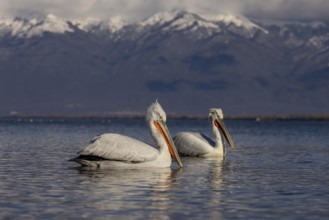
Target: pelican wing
pixel 121 148
pixel 193 143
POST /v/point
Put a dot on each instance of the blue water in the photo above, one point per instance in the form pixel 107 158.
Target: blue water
pixel 279 170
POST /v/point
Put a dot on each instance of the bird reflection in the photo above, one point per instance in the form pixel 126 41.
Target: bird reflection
pixel 208 184
pixel 195 190
pixel 211 168
pixel 121 190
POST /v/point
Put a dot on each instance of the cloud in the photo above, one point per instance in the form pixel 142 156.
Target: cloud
pixel 139 9
pixel 288 9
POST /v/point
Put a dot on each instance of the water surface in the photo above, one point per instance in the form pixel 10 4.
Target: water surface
pixel 280 169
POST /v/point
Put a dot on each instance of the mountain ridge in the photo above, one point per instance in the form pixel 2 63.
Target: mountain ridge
pixel 183 19
pixel 53 66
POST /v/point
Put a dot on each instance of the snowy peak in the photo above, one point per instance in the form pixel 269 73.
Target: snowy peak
pixel 159 18
pixel 93 24
pixel 183 20
pixel 186 20
pixel 86 25
pixel 34 27
pixel 237 20
pixel 180 21
pixel 116 23
pixel 50 24
pixel 176 18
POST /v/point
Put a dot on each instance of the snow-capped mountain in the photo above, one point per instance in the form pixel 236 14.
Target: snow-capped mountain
pixel 94 25
pixel 166 21
pixel 18 27
pixel 178 20
pixel 250 66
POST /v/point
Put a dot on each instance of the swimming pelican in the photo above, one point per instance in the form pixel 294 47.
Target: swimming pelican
pixel 199 145
pixel 115 150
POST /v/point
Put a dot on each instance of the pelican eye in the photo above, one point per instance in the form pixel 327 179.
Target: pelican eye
pixel 158 115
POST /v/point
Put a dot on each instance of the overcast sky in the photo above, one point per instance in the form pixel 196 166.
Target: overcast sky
pixel 139 9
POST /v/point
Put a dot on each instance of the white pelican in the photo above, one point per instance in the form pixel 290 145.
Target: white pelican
pixel 115 150
pixel 199 145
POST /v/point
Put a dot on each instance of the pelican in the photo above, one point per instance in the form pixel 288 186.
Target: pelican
pixel 199 145
pixel 113 150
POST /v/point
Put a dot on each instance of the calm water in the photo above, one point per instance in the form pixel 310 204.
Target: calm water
pixel 280 169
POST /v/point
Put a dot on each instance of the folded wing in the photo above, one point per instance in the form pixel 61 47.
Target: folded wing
pixel 120 148
pixel 193 143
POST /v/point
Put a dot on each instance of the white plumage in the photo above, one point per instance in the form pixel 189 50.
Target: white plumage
pixel 122 148
pixel 196 144
pixel 116 150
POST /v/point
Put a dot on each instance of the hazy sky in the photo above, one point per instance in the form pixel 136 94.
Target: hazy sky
pixel 138 9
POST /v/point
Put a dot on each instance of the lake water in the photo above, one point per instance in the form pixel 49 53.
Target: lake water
pixel 279 170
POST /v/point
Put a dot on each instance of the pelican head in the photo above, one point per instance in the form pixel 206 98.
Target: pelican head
pixel 217 116
pixel 155 112
pixel 156 118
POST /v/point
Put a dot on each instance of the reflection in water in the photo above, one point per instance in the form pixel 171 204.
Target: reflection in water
pixel 163 193
pixel 123 190
pixel 205 177
pixel 216 181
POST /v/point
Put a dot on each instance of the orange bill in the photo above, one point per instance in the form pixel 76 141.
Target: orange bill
pixel 162 127
pixel 221 126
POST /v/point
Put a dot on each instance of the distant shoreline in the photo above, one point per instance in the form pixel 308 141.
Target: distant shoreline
pixel 174 117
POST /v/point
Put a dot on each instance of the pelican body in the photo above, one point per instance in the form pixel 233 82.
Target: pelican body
pixel 196 144
pixel 116 150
